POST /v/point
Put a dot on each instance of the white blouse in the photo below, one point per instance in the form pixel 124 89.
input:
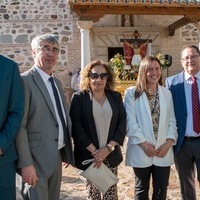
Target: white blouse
pixel 102 118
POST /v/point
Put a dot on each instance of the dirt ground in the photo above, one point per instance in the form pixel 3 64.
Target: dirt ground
pixel 73 187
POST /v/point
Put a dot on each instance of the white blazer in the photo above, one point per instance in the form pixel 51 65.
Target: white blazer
pixel 140 128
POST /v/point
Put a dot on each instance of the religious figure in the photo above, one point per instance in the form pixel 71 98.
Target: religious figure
pixel 137 56
pixel 137 53
pixel 135 49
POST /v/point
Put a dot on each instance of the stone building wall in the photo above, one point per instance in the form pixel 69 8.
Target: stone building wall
pixel 21 20
pixel 186 35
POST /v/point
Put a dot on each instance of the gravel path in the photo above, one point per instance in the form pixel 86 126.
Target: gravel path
pixel 73 187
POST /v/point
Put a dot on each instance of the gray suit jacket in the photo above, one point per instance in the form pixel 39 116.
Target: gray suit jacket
pixel 37 141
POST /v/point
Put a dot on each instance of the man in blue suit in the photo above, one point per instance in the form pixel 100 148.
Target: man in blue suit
pixel 187 150
pixel 11 112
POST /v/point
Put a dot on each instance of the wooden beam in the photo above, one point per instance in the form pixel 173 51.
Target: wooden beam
pixel 178 24
pixel 182 22
pixel 93 10
pixel 89 10
pixel 94 18
pixel 136 40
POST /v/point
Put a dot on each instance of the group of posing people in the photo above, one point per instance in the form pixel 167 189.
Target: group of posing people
pixel 36 129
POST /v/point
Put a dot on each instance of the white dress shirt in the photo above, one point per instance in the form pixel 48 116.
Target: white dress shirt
pixel 188 95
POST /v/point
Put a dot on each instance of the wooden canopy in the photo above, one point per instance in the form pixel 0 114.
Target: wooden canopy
pixel 93 10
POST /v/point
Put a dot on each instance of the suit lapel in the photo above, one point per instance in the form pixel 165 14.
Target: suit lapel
pixel 163 109
pixel 143 110
pixel 180 89
pixel 90 119
pixel 145 105
pixel 42 87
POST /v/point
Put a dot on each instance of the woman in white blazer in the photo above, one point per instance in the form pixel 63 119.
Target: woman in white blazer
pixel 151 130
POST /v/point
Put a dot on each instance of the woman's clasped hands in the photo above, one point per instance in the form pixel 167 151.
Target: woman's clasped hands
pixel 151 151
pixel 99 156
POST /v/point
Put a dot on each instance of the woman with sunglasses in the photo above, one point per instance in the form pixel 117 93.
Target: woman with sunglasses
pixel 98 123
pixel 151 131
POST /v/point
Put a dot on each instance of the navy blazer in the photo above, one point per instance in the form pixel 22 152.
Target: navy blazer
pixel 176 86
pixel 11 107
pixel 83 126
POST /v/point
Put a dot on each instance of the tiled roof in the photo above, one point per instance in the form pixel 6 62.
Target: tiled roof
pixel 148 2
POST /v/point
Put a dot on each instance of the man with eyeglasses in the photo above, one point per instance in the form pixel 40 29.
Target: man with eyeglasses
pixel 185 92
pixel 44 139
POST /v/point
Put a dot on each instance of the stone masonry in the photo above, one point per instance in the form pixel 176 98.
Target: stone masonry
pixel 21 20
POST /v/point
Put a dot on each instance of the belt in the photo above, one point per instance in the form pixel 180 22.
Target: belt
pixel 192 138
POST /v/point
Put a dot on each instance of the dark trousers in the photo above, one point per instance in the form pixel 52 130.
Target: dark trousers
pixel 7 181
pixel 187 161
pixel 160 181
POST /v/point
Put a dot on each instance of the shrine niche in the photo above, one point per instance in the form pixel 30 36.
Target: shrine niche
pixel 126 66
pixel 135 49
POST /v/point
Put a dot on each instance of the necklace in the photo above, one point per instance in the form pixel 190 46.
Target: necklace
pixel 155 103
pixel 152 96
pixel 152 92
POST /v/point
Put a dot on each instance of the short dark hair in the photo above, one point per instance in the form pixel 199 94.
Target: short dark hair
pixel 190 47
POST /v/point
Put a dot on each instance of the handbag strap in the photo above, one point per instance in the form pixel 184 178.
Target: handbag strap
pixel 85 162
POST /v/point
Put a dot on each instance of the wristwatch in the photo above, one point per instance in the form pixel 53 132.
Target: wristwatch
pixel 110 148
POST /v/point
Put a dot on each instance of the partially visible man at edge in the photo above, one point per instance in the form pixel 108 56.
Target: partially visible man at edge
pixel 11 113
pixel 44 139
pixel 187 150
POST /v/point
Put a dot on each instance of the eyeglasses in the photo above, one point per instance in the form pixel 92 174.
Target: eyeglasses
pixel 193 57
pixel 48 50
pixel 94 76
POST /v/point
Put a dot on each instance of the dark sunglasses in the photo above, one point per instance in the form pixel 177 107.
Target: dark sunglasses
pixel 103 76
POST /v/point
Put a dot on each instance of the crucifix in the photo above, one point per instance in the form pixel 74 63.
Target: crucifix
pixel 135 48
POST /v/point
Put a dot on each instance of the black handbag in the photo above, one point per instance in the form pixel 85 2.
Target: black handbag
pixel 115 158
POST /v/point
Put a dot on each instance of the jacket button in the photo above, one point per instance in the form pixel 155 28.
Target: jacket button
pixel 56 139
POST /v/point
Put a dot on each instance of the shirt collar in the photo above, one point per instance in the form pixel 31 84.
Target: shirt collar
pixel 44 75
pixel 188 77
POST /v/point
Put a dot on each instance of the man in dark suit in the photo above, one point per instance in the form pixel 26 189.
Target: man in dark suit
pixel 11 112
pixel 44 140
pixel 187 150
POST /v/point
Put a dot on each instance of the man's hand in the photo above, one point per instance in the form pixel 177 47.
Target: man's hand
pixel 65 165
pixel 29 175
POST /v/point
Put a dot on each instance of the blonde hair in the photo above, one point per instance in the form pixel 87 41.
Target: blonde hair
pixel 85 80
pixel 141 84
